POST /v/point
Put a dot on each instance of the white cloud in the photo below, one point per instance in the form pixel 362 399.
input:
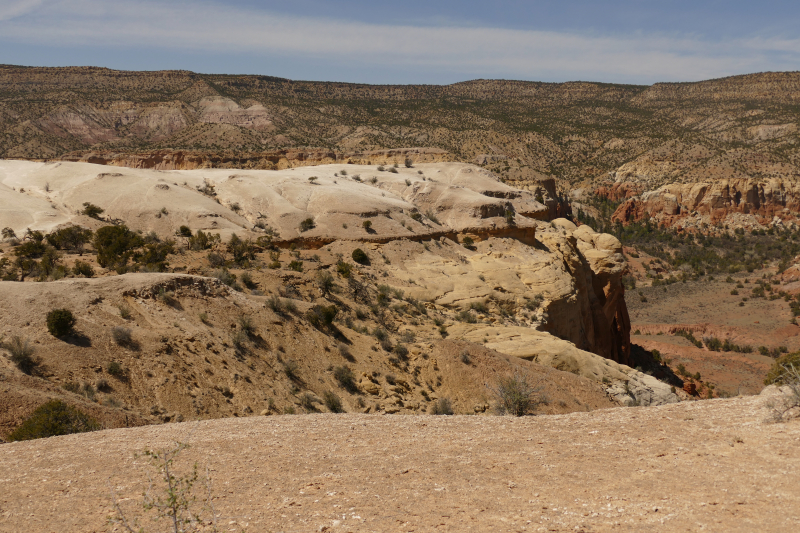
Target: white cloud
pixel 480 52
pixel 15 8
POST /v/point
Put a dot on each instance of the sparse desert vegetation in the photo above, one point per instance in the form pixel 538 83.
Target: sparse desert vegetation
pixel 537 252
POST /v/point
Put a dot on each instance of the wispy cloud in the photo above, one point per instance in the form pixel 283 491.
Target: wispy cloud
pixel 208 27
pixel 16 8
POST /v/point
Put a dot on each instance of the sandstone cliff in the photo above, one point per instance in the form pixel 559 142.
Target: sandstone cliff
pixel 739 202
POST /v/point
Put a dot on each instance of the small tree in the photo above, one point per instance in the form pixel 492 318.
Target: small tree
pixel 367 224
pixel 9 233
pixel 360 257
pixel 313 179
pixel 510 217
pixel 92 211
pixel 60 322
pixel 175 500
pixel 409 163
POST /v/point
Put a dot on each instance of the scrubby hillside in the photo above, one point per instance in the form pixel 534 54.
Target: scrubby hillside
pixel 579 132
pixel 281 293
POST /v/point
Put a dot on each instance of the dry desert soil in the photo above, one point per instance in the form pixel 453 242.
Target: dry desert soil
pixel 712 465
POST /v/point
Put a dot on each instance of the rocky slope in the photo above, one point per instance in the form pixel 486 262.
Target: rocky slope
pixel 525 293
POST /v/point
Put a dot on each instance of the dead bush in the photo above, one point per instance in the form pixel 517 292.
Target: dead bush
pixel 516 395
pixel 442 406
pixel 787 405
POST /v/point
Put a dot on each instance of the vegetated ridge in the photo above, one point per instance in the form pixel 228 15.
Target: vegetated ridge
pixel 577 131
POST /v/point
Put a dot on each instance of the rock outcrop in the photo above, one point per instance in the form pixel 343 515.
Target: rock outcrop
pixel 715 201
pixel 259 160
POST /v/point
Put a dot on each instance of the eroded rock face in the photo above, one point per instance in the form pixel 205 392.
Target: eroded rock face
pixel 598 267
pixel 623 384
pixel 265 160
pixel 763 199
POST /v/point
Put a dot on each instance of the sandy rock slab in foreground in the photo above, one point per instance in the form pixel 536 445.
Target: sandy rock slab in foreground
pixel 694 466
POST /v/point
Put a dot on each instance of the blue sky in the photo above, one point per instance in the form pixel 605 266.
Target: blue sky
pixel 413 41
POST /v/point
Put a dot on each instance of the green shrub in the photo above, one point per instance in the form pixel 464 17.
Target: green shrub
pixel 115 369
pixel 216 260
pixel 344 269
pixel 713 343
pixel 125 311
pixel 325 282
pixel 306 225
pixel 468 242
pixel 291 369
pixel 243 250
pixel 346 378
pixel 322 315
pixel 778 373
pixel 60 322
pixel 308 402
pixel 367 224
pixel 83 269
pixel 226 277
pixel 239 340
pixel 295 265
pixel 91 210
pixel 332 402
pixel 466 316
pixel 360 257
pixel 247 280
pixel 442 406
pixel 115 245
pixel 52 419
pixel 122 335
pixel 70 238
pixel 202 241
pixel 246 325
pixel 21 353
